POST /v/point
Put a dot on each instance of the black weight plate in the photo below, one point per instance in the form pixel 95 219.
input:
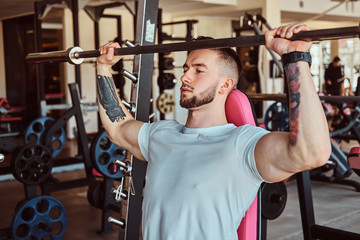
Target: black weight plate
pixel 32 164
pixel 95 194
pixel 35 133
pixel 42 217
pixel 166 80
pixel 273 200
pixel 103 153
pixel 276 117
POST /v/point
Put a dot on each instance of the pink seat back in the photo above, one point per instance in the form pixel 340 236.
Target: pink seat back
pixel 354 158
pixel 239 112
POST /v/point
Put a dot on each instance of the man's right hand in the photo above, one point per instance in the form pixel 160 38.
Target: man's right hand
pixel 107 58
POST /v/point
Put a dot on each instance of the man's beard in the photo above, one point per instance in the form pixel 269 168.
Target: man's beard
pixel 205 97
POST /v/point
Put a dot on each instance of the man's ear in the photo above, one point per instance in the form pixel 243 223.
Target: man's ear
pixel 227 85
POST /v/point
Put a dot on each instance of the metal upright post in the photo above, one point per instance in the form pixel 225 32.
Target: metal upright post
pixel 147 13
pixel 160 55
pixel 75 15
pixel 38 47
pixel 306 203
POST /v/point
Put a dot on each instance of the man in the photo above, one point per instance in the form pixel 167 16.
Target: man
pixel 334 79
pixel 202 177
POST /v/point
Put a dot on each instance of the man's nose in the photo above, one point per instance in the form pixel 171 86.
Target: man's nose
pixel 185 78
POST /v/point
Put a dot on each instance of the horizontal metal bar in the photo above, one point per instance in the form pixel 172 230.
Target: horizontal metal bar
pixel 245 41
pixel 283 98
pixel 72 55
pixel 323 232
pixel 180 22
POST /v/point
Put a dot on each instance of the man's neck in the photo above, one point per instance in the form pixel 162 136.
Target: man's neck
pixel 206 117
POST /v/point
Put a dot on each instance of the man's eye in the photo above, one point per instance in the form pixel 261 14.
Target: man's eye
pixel 199 71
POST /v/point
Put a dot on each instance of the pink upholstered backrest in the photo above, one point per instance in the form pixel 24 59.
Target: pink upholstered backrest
pixel 239 112
pixel 354 158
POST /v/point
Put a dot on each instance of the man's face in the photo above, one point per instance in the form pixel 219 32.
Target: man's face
pixel 200 79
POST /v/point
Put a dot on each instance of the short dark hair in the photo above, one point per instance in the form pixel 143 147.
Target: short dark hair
pixel 336 59
pixel 228 55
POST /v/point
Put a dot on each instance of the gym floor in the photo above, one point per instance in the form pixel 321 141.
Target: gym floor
pixel 335 206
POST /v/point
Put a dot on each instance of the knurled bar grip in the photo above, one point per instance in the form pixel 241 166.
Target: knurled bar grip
pixel 76 55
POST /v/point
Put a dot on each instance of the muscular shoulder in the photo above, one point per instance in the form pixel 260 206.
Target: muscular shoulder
pixel 164 125
pixel 250 130
pixel 247 136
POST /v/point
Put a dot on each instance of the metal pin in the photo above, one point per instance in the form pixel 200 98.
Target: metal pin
pixel 128 43
pixel 132 187
pixel 119 194
pixel 130 106
pixel 119 191
pixel 2 157
pixel 124 166
pixel 117 222
pixel 129 75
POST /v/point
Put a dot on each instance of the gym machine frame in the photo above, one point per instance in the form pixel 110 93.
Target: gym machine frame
pixel 96 13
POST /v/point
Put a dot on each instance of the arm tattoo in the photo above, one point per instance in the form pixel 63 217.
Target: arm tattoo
pixel 108 98
pixel 292 72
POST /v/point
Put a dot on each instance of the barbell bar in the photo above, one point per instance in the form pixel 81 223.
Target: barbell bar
pixel 76 55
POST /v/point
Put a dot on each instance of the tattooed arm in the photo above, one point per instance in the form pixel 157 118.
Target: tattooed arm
pixel 120 125
pixel 307 145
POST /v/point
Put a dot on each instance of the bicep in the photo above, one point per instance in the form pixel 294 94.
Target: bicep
pixel 272 157
pixel 127 137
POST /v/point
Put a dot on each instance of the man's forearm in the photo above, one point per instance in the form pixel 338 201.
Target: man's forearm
pixel 309 134
pixel 292 73
pixel 108 98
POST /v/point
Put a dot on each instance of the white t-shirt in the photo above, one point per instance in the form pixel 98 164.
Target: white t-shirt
pixel 199 181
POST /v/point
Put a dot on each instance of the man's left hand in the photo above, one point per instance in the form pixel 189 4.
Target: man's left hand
pixel 277 39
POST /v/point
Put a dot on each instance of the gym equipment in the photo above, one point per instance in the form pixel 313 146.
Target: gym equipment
pixel 165 103
pixel 143 66
pixel 354 159
pixel 338 160
pixel 130 76
pixel 34 133
pixel 273 199
pixel 7 117
pixel 311 230
pixel 95 194
pixel 166 80
pixel 239 111
pixel 76 55
pixel 120 223
pixel 86 107
pixel 167 63
pixel 258 32
pixel 277 117
pixel 32 164
pixel 42 217
pixel 104 153
pixel 283 98
pixel 146 19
